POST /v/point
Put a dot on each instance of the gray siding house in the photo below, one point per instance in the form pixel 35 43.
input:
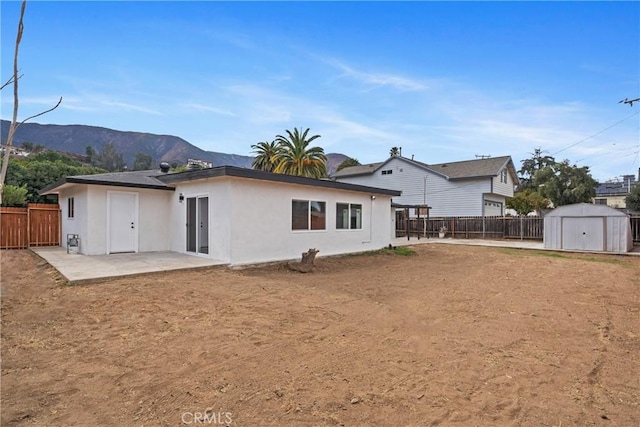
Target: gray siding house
pixel 477 187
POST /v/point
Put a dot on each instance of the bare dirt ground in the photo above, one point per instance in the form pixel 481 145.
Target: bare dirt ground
pixel 449 336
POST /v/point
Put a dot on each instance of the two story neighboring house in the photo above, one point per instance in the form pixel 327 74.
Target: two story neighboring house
pixel 613 194
pixel 477 187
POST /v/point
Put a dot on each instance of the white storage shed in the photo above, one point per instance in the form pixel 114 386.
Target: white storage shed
pixel 587 227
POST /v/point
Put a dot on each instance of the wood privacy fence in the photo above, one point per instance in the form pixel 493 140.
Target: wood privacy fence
pixel 36 225
pixel 489 227
pixel 635 229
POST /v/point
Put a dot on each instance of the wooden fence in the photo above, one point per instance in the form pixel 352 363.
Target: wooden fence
pixel 635 229
pixel 36 225
pixel 489 227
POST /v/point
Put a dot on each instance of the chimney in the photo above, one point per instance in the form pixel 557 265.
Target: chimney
pixel 165 167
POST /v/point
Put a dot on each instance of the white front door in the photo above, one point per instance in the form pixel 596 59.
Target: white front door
pixel 122 222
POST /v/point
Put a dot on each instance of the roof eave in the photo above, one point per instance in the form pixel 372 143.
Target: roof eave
pixel 237 172
pixel 73 180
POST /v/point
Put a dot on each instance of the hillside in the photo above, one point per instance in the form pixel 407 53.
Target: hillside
pixel 76 138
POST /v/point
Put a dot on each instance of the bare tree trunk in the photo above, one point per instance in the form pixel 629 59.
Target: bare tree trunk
pixel 307 263
pixel 14 120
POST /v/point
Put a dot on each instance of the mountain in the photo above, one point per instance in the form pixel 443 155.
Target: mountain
pixel 76 139
pixel 168 148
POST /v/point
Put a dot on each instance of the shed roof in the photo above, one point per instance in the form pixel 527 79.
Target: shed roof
pixel 584 209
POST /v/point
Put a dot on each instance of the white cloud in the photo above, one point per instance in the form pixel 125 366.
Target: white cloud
pixel 374 79
pixel 207 109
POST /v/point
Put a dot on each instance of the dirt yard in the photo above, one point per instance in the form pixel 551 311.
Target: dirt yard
pixel 452 335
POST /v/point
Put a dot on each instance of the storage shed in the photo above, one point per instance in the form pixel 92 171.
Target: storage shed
pixel 587 227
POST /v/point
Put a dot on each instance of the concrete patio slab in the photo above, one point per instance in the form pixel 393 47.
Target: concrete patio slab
pixel 78 268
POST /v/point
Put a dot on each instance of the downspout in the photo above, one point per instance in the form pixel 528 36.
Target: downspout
pixel 373 197
pixel 424 202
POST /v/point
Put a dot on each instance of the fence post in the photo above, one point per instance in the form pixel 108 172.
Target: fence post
pixel 521 229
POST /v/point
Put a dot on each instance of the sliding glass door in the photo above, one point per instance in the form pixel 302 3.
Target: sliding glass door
pixel 198 224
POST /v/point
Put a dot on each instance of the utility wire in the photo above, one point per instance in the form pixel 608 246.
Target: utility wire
pixel 596 134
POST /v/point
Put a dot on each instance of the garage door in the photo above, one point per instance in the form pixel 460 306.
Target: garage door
pixel 492 208
pixel 585 234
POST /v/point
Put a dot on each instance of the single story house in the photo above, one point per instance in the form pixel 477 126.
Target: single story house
pixel 231 214
pixel 614 194
pixel 476 187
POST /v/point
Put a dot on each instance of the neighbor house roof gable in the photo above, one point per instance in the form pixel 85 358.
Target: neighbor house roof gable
pixel 371 168
pixel 466 169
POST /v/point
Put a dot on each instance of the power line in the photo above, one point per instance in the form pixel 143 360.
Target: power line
pixel 597 133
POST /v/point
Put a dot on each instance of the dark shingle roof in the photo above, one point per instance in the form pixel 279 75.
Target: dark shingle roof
pixel 466 169
pixel 163 181
pixel 358 170
pixel 472 168
pixel 133 179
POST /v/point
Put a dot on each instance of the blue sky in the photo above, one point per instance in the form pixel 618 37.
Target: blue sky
pixel 443 80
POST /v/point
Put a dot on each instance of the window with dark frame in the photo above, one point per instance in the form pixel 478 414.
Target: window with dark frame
pixel 71 207
pixel 387 172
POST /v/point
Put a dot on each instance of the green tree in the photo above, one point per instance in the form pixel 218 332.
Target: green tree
pixel 633 198
pixel 531 165
pixel 297 158
pixel 347 163
pixel 142 162
pixel 395 151
pixel 109 158
pixel 564 184
pixel 40 170
pixel 266 155
pixel 527 201
pixel 14 195
pixel 90 152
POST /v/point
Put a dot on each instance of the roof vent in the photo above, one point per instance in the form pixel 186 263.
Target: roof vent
pixel 164 167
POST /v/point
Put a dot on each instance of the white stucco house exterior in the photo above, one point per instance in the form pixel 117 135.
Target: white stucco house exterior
pixel 234 215
pixel 477 187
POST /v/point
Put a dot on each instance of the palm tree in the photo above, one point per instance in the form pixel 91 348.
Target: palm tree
pixel 266 153
pixel 297 158
pixel 395 151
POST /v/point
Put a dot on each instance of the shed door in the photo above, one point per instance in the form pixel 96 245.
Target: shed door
pixel 122 222
pixel 586 234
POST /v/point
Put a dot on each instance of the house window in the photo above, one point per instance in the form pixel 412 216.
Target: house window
pixel 601 201
pixel 387 172
pixel 308 215
pixel 348 216
pixel 71 207
pixel 503 176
